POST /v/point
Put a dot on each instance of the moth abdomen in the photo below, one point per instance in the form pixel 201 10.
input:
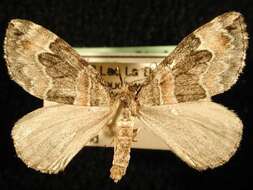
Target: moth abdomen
pixel 122 148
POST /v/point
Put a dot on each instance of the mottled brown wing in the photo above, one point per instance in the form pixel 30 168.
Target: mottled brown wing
pixel 48 68
pixel 207 62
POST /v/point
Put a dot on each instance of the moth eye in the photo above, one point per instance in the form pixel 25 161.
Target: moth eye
pixel 134 87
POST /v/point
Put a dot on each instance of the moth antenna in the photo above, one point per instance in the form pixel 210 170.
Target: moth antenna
pixel 138 90
pixel 122 81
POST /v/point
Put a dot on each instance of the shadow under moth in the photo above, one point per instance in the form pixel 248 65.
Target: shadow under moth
pixel 174 101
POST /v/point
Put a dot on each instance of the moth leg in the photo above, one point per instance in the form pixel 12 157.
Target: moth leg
pixel 112 141
pixel 94 140
pixel 135 132
pixel 110 130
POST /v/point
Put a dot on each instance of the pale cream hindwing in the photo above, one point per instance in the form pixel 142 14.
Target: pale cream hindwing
pixel 205 63
pixel 48 68
pixel 203 134
pixel 48 138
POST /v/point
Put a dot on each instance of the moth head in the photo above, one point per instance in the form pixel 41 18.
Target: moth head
pixel 126 95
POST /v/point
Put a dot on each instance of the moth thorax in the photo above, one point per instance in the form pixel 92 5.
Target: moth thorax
pixel 125 122
pixel 131 109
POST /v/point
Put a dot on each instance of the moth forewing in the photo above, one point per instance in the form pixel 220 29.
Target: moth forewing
pixel 49 68
pixel 205 63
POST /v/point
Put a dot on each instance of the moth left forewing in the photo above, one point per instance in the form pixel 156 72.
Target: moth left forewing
pixel 49 68
pixel 48 138
pixel 203 134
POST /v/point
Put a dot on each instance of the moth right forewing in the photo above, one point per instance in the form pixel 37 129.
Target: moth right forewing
pixel 158 89
pixel 215 53
pixel 205 63
pixel 49 68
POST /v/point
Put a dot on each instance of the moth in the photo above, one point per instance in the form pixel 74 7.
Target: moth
pixel 174 102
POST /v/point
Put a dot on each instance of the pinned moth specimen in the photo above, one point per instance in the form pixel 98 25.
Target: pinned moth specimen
pixel 174 102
